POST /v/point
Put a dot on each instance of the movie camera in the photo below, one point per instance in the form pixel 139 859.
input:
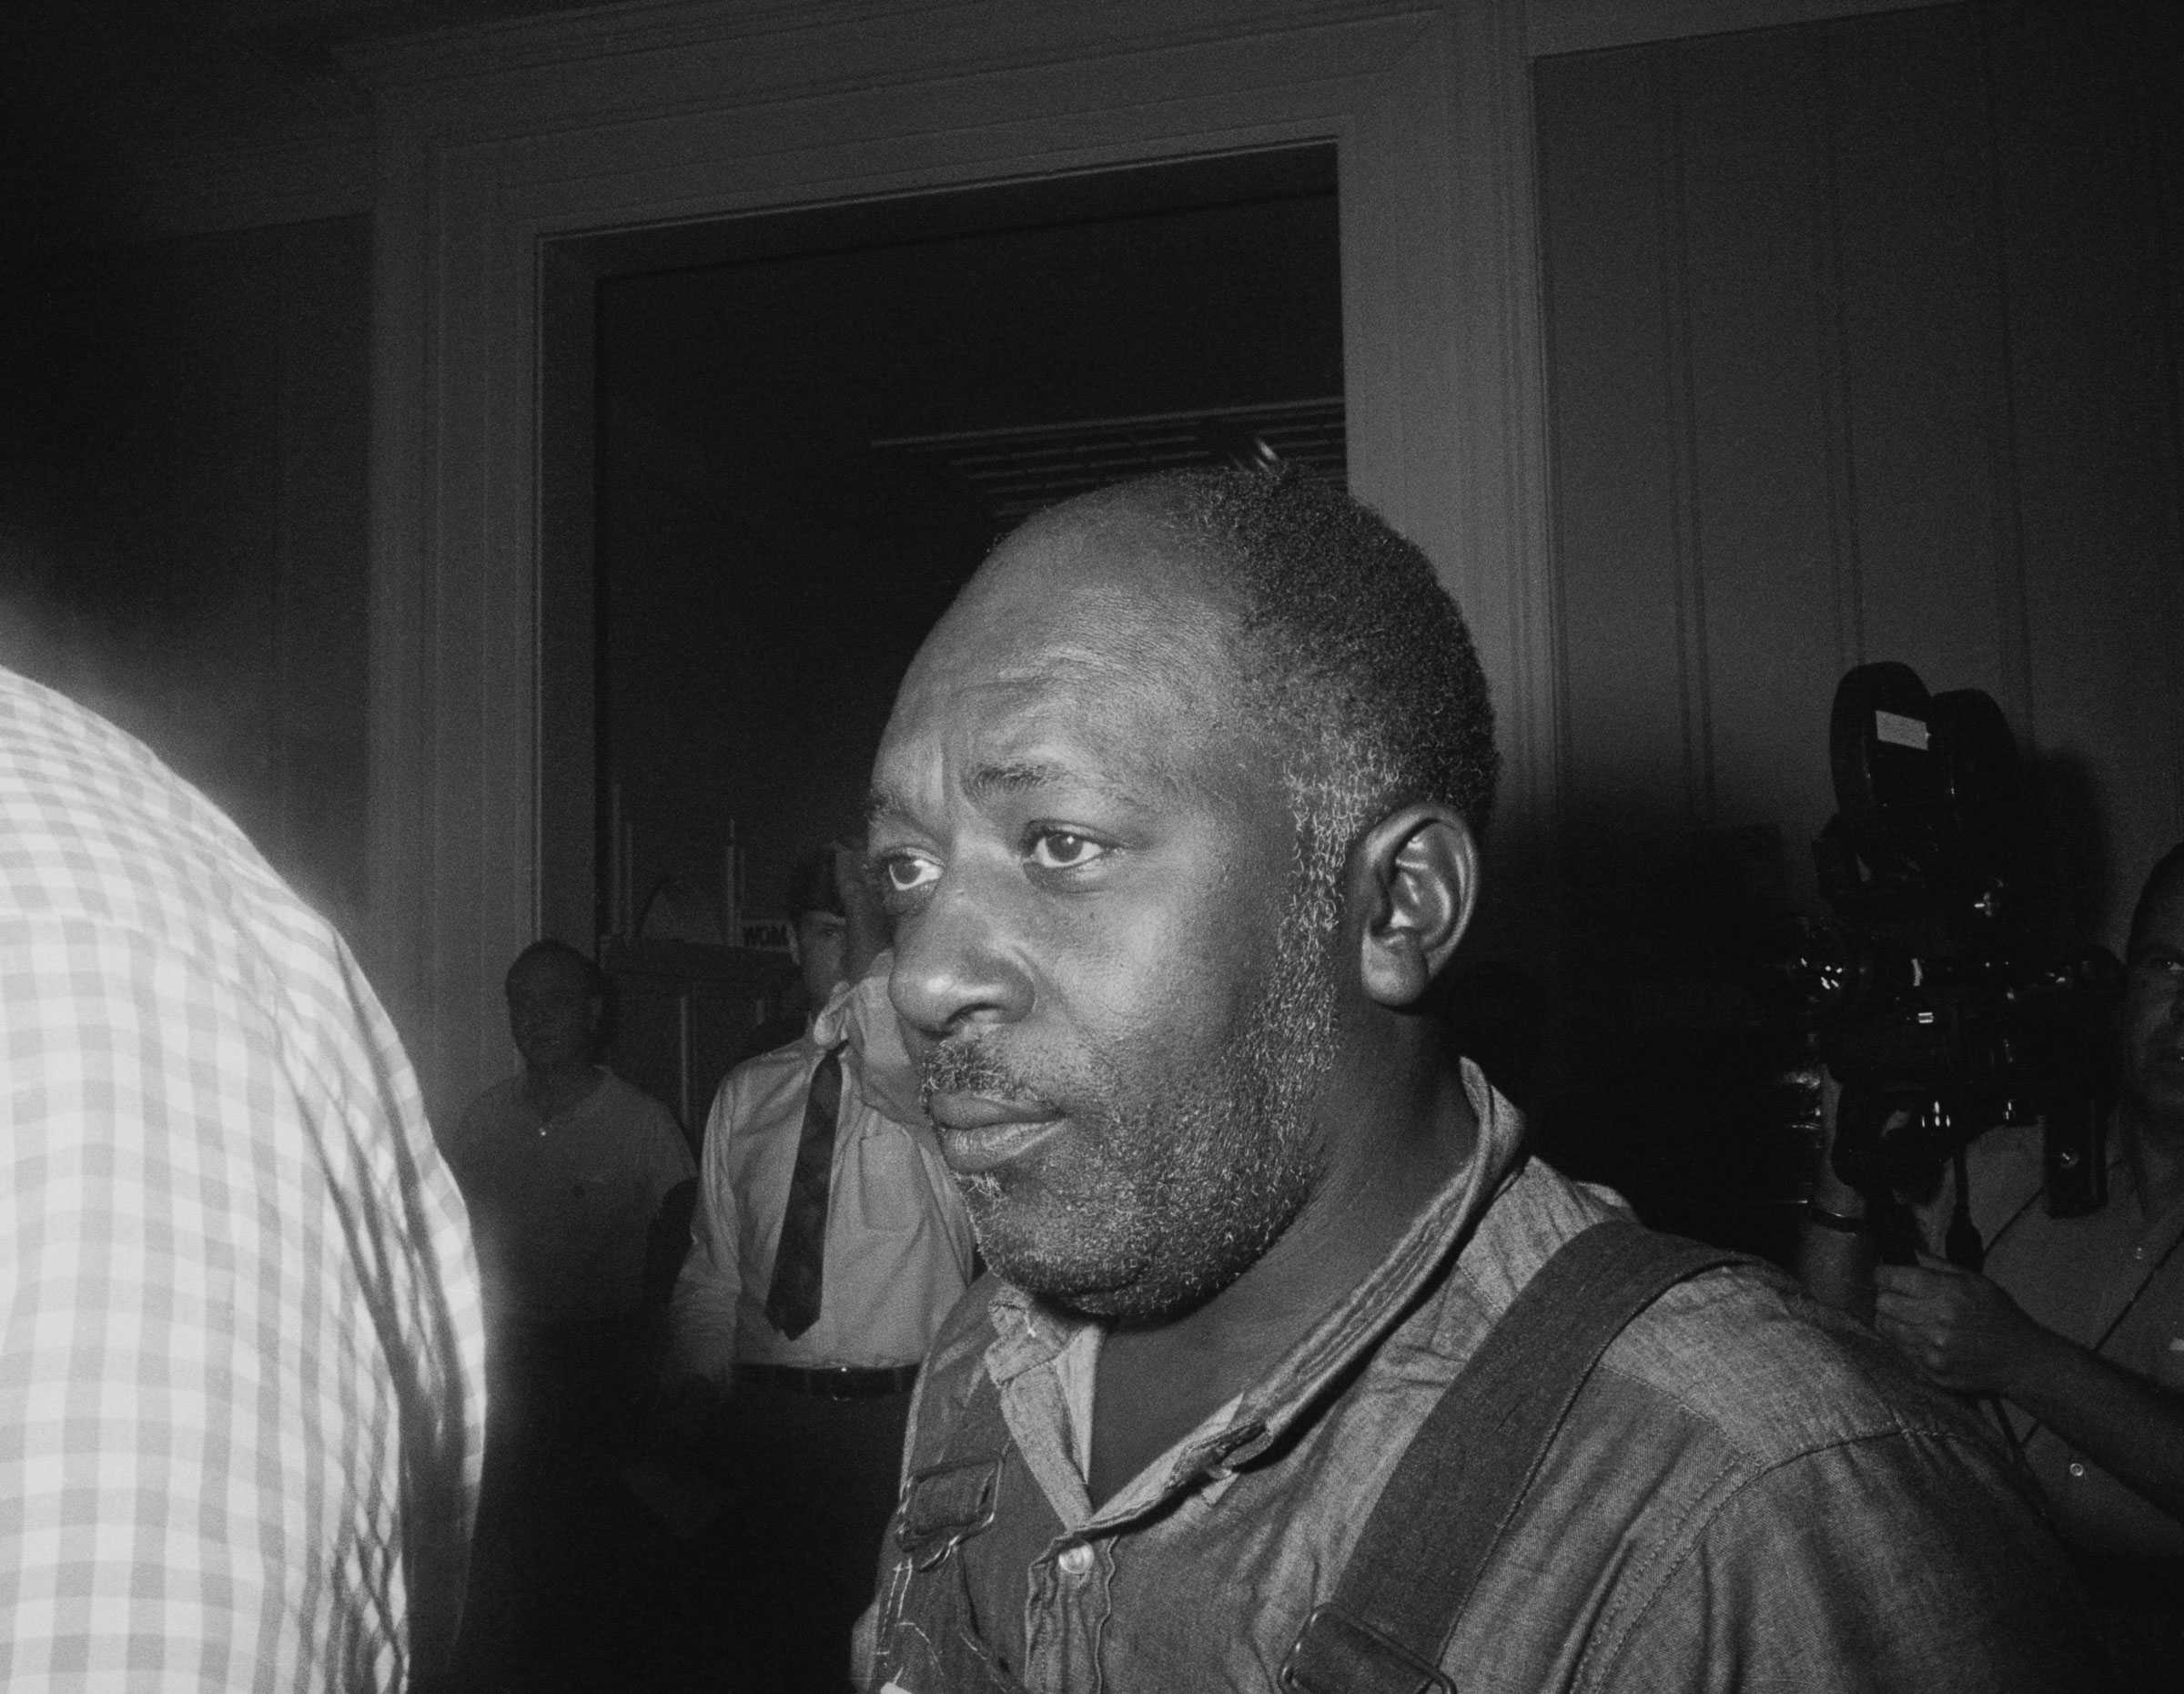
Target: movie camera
pixel 1938 1005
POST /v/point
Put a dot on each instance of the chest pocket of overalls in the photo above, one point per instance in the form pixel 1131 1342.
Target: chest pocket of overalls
pixel 928 1641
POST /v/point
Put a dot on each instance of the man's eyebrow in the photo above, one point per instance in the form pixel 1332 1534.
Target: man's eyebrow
pixel 1012 776
pixel 1006 777
pixel 1016 776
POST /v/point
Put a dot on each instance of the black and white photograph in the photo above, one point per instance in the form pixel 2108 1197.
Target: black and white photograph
pixel 1091 846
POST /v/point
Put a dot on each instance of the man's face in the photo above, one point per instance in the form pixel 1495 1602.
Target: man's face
pixel 551 1012
pixel 821 944
pixel 1100 959
pixel 2153 1011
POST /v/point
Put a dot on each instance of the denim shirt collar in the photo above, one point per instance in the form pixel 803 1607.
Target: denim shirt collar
pixel 1030 1335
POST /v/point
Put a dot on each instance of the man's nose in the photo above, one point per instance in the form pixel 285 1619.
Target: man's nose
pixel 957 964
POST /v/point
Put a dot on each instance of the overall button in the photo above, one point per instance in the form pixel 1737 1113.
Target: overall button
pixel 1076 1560
pixel 2078 1468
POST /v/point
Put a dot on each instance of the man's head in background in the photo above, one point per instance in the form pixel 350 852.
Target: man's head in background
pixel 818 922
pixel 1176 807
pixel 556 1007
pixel 2152 1080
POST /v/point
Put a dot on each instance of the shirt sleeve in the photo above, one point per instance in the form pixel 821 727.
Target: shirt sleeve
pixel 1898 1562
pixel 702 1314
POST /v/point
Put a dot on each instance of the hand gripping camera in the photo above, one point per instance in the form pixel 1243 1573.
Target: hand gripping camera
pixel 1937 1007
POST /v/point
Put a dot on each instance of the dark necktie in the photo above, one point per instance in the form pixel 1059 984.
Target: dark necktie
pixel 793 1301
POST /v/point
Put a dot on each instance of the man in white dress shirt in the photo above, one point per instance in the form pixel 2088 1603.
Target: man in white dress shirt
pixel 829 1243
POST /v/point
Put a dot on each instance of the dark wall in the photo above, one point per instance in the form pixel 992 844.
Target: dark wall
pixel 183 518
pixel 1864 344
pixel 767 574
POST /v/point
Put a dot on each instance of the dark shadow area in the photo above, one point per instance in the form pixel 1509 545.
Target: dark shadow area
pixel 1677 1087
pixel 806 444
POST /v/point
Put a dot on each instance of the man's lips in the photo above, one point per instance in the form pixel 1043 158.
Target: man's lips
pixel 978 1131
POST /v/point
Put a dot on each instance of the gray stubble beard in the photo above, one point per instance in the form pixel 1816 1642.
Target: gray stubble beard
pixel 1189 1188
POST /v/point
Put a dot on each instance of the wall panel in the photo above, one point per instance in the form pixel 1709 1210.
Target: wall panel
pixel 1619 496
pixel 1758 375
pixel 1863 346
pixel 1921 312
pixel 2090 106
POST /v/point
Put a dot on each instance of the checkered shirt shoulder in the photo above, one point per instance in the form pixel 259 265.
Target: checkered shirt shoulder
pixel 241 1363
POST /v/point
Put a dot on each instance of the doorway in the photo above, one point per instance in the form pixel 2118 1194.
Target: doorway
pixel 800 432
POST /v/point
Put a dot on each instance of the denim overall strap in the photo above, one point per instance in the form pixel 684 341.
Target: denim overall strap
pixel 927 1641
pixel 1464 1476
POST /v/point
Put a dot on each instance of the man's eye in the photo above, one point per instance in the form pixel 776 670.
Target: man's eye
pixel 907 873
pixel 1059 849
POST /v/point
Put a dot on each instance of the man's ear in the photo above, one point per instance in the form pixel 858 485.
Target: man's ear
pixel 1415 878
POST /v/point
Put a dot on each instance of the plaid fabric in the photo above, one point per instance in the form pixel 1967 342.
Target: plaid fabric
pixel 241 1361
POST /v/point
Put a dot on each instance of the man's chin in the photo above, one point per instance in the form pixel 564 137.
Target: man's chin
pixel 1120 1289
pixel 1127 1305
pixel 1025 1257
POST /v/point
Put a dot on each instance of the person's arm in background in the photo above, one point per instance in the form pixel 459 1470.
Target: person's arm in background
pixel 1967 1334
pixel 1837 1252
pixel 699 1371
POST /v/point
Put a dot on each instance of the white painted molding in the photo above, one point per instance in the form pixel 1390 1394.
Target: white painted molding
pixel 654 47
pixel 1587 25
pixel 963 31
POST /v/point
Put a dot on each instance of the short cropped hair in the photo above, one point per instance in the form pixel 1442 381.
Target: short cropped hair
pixel 1348 644
pixel 2169 865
